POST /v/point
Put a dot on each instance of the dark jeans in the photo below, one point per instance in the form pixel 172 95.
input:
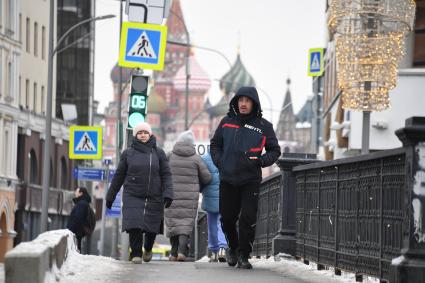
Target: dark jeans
pixel 136 241
pixel 79 240
pixel 239 203
pixel 179 245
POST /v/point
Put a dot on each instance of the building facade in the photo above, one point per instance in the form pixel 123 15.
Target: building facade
pixel 75 59
pixel 33 23
pixel 10 57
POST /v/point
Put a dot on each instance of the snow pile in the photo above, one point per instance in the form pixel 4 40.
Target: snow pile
pixel 88 268
pixel 204 259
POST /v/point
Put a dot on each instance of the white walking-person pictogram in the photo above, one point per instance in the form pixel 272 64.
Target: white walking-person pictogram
pixel 142 48
pixel 86 144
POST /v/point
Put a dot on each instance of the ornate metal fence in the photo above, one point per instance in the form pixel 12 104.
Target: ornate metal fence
pixel 350 212
pixel 268 220
pixel 362 214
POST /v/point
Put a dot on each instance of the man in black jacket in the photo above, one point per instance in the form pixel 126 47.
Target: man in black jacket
pixel 78 217
pixel 236 149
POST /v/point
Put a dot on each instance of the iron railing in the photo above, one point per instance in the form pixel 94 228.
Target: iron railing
pixel 268 216
pixel 350 212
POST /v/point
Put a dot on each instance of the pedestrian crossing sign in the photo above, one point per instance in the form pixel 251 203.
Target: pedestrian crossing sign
pixel 85 142
pixel 142 46
pixel 315 62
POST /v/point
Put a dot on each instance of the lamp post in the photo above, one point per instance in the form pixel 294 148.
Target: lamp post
pixel 48 125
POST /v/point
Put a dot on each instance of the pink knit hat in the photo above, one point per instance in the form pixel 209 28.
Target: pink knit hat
pixel 142 126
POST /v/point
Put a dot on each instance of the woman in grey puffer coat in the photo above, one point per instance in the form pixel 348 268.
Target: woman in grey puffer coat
pixel 188 172
pixel 146 176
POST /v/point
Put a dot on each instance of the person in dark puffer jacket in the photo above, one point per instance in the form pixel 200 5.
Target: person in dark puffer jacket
pixel 78 216
pixel 237 151
pixel 148 188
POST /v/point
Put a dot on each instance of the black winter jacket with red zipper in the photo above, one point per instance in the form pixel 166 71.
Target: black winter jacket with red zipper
pixel 239 137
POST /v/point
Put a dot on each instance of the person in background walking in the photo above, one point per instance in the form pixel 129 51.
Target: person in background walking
pixel 217 243
pixel 146 175
pixel 189 171
pixel 237 151
pixel 78 216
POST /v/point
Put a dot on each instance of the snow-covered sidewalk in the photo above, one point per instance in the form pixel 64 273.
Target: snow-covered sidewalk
pixel 287 266
pixel 86 268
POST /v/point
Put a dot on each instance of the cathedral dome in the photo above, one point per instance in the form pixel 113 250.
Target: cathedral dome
pixel 156 104
pixel 221 108
pixel 199 80
pixel 236 77
pixel 115 73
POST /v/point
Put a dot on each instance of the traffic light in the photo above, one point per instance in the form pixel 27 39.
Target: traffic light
pixel 138 100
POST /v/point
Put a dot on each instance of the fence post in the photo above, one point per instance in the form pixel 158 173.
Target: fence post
pixel 285 240
pixel 410 266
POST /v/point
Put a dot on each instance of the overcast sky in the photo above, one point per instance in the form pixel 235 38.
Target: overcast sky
pixel 274 36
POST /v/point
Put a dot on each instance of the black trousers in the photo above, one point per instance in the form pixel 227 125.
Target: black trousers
pixel 239 203
pixel 179 245
pixel 136 241
pixel 79 240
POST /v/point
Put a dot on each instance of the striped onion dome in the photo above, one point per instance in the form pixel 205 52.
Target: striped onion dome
pixel 236 77
pixel 199 80
pixel 156 104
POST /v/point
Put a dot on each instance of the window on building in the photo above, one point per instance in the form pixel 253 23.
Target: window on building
pixel 35 99
pixel 6 151
pixel 36 39
pixel 27 94
pixel 64 174
pixel 43 107
pixel 33 167
pixel 20 27
pixel 9 79
pixel 43 42
pixel 9 17
pixel 419 36
pixel 28 36
pixel 19 91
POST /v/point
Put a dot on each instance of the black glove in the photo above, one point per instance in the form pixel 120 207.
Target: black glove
pixel 109 204
pixel 167 202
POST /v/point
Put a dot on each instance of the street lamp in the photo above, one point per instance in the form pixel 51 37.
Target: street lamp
pixel 48 124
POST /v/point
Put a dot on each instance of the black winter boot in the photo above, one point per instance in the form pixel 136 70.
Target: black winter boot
pixel 243 262
pixel 231 257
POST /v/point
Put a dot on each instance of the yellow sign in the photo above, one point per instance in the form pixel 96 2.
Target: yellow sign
pixel 315 62
pixel 142 46
pixel 85 142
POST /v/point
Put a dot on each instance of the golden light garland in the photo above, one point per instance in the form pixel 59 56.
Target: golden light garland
pixel 369 45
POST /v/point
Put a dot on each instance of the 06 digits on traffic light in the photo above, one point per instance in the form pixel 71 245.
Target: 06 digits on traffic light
pixel 138 100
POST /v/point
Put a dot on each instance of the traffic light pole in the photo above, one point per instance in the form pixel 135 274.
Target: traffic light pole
pixel 115 221
pixel 124 236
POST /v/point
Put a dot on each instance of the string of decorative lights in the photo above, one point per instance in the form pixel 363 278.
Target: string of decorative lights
pixel 369 45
